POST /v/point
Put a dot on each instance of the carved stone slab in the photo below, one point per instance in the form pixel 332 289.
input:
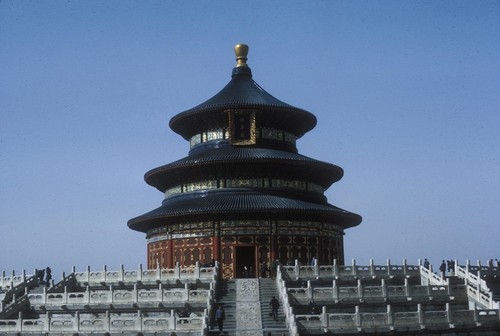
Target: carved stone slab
pixel 248 315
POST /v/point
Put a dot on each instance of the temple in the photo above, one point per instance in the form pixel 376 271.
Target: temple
pixel 244 195
pixel 245 220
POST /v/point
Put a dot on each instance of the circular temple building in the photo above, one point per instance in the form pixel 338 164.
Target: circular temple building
pixel 243 195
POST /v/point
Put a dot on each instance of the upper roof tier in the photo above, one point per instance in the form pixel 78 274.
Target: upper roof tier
pixel 242 92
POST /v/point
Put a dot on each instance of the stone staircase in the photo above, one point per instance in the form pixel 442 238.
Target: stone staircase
pixel 268 289
pixel 228 298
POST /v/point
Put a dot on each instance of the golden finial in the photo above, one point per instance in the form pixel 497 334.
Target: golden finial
pixel 241 52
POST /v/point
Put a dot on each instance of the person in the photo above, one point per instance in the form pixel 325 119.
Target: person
pixel 263 269
pixel 48 275
pixel 40 274
pixel 274 268
pixel 442 268
pixel 275 304
pixel 426 263
pixel 219 317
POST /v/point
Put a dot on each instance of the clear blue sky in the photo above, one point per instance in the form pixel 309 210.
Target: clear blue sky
pixel 407 96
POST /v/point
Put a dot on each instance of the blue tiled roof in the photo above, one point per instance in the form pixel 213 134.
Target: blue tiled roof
pixel 239 203
pixel 242 92
pixel 321 172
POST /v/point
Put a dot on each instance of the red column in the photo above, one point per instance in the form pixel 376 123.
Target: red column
pixel 170 254
pixel 216 241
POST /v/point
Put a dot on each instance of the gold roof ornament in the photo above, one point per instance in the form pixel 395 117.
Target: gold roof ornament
pixel 241 52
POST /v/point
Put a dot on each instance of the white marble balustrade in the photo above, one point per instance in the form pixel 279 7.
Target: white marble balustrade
pixel 395 320
pixel 12 280
pixel 122 296
pixel 361 291
pixel 146 275
pixel 120 323
pixel 335 271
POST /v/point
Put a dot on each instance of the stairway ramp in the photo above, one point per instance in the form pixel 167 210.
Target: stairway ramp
pixel 247 311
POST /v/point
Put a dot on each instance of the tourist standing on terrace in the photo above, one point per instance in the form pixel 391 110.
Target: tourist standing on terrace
pixel 426 263
pixel 442 268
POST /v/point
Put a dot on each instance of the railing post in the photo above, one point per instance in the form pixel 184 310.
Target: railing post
pixel 20 321
pixel 136 295
pixel 122 272
pixel 476 313
pixel 65 295
pixel 197 270
pixel 388 267
pixel 384 288
pixel 407 288
pixel 139 273
pixel 160 291
pixel 174 319
pixel 107 321
pixel 360 290
pixel 177 271
pixel 158 271
pixel 335 268
pixel 372 268
pixel 354 269
pixel 297 269
pixel 139 320
pixel 324 317
pixel 405 267
pixel 335 290
pixel 105 271
pixel 448 313
pixel 390 318
pixel 47 324
pixel 357 317
pixel 309 290
pixel 420 316
pixel 111 296
pixel 77 321
pixel 316 268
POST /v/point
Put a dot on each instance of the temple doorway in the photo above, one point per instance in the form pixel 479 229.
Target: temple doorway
pixel 245 262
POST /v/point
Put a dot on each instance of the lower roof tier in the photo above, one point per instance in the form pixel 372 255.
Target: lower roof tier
pixel 230 161
pixel 242 204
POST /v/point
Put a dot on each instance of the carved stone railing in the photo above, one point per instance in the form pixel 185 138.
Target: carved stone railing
pixel 383 291
pixel 113 295
pixel 287 309
pixel 146 275
pixel 19 288
pixel 9 281
pixel 427 276
pixel 336 271
pixel 107 323
pixel 391 320
pixel 477 288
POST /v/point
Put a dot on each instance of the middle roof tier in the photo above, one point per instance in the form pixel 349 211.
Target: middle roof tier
pixel 243 162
